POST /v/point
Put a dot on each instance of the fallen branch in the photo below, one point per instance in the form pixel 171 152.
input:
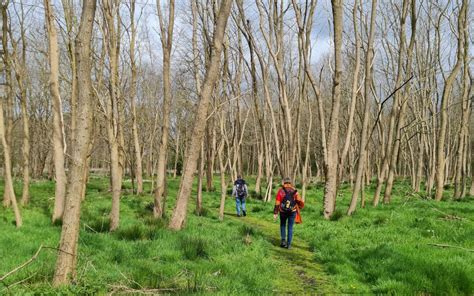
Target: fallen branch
pixel 17 283
pixel 449 246
pixel 144 291
pixel 123 288
pixel 22 265
pixel 90 228
pixel 448 216
pixel 29 261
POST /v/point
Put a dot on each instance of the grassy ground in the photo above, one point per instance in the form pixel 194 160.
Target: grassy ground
pixel 385 250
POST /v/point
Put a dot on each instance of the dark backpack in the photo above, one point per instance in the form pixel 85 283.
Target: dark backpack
pixel 240 189
pixel 289 201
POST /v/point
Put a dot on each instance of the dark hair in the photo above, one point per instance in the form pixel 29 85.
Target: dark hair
pixel 239 177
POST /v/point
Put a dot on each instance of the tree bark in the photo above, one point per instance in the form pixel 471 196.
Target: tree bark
pixel 448 85
pixel 7 98
pixel 133 94
pixel 9 193
pixel 67 256
pixel 355 84
pixel 330 188
pixel 58 126
pixel 391 143
pixel 166 43
pixel 200 179
pixel 222 169
pixel 403 105
pixel 461 171
pixel 212 71
pixel 113 109
pixel 361 165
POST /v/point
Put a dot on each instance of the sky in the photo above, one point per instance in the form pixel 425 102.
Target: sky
pixel 146 10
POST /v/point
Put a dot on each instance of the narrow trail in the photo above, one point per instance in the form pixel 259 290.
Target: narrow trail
pixel 306 276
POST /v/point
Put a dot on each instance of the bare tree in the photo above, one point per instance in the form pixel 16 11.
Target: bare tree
pixel 448 85
pixel 67 255
pixel 361 165
pixel 18 59
pixel 166 44
pixel 8 104
pixel 355 87
pixel 58 123
pixel 330 188
pixel 9 195
pixel 463 137
pixel 192 152
pixel 133 93
pixel 113 110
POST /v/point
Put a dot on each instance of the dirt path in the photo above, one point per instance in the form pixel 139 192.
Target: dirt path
pixel 305 275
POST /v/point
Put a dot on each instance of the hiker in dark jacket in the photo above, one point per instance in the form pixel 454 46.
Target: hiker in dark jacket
pixel 240 192
pixel 288 203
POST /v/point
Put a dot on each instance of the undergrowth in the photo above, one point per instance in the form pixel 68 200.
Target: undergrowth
pixel 411 246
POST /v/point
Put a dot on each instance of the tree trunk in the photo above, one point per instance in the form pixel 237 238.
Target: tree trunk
pixel 7 98
pixel 113 109
pixel 402 101
pixel 461 172
pixel 8 176
pixel 448 85
pixel 355 85
pixel 58 127
pixel 330 188
pixel 359 184
pixel 200 178
pixel 9 193
pixel 133 93
pixel 212 71
pixel 223 181
pixel 67 256
pixel 166 42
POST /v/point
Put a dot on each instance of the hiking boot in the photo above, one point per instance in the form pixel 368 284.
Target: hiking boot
pixel 238 215
pixel 288 247
pixel 283 243
pixel 245 213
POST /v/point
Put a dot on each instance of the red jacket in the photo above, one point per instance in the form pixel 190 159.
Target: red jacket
pixel 281 195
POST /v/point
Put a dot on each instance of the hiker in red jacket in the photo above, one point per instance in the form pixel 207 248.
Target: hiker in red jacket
pixel 288 203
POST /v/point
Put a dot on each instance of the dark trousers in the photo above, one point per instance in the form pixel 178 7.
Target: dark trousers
pixel 284 218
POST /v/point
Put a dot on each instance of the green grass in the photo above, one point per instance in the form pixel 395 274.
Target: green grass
pixel 384 250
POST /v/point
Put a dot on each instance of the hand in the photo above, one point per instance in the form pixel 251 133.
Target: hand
pixel 275 217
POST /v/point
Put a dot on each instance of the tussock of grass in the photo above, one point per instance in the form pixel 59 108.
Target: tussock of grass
pixel 194 247
pixel 338 214
pixel 135 232
pixel 98 225
pixel 248 230
pixel 257 209
pixel 204 212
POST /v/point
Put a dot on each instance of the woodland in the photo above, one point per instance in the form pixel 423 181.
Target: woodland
pixel 124 124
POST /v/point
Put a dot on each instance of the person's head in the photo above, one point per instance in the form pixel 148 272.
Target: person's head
pixel 239 177
pixel 286 180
